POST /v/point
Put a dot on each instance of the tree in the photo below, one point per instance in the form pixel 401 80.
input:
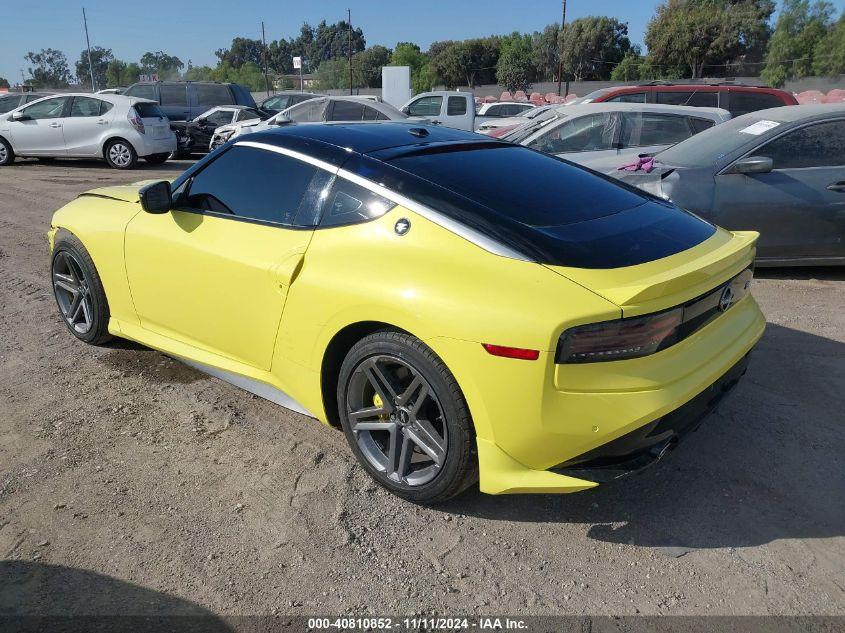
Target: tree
pixel 515 68
pixel 409 54
pixel 799 29
pixel 592 46
pixel 50 69
pixel 546 52
pixel 447 62
pixel 630 68
pixel 698 33
pixel 100 60
pixel 367 65
pixel 332 74
pixel 241 51
pixel 4 83
pixel 280 57
pixel 164 65
pixel 829 54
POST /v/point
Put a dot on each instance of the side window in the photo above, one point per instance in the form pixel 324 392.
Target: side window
pixel 742 102
pixel 819 145
pixel 629 97
pixel 699 125
pixel 213 94
pixel 246 115
pixel 48 109
pixel 347 111
pixel 174 95
pixel 348 203
pixel 456 106
pixel 641 129
pixel 584 134
pixel 276 103
pixel 143 91
pixel 426 106
pixel 251 183
pixel 85 106
pixel 696 98
pixel 307 112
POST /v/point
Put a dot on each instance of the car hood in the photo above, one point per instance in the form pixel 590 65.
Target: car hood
pixel 124 193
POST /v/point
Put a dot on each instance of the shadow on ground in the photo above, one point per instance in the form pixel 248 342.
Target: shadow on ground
pixel 768 465
pixel 823 273
pixel 39 597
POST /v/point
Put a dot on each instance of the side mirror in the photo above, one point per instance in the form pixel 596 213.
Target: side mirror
pixel 282 120
pixel 202 121
pixel 156 197
pixel 753 165
pixel 20 116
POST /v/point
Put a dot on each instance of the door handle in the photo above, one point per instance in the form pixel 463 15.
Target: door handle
pixel 286 270
pixel 101 122
pixel 837 186
pixel 55 125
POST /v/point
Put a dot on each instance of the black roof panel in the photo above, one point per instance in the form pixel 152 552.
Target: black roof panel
pixel 341 139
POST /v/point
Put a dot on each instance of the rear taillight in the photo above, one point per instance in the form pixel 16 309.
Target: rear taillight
pixel 135 120
pixel 623 338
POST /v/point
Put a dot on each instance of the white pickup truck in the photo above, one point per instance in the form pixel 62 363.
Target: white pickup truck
pixel 457 109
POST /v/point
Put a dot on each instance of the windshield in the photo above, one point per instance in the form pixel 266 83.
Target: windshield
pixel 523 131
pixel 9 103
pixel 709 146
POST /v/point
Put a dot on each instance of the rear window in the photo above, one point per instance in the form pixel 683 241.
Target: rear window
pixel 142 91
pixel 551 210
pixel 148 110
pixel 456 106
pixel 527 186
pixel 174 95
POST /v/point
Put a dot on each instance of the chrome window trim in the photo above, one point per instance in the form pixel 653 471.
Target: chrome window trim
pixel 471 235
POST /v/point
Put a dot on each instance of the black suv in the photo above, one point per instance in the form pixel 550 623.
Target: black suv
pixel 185 100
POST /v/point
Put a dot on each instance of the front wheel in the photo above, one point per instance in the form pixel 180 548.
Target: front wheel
pixel 406 419
pixel 79 292
pixel 157 159
pixel 120 154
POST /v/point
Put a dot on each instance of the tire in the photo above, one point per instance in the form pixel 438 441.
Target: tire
pixel 120 154
pixel 7 154
pixel 433 456
pixel 73 275
pixel 157 159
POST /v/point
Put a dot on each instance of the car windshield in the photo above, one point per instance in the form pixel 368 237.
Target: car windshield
pixel 707 147
pixel 595 94
pixel 9 103
pixel 524 130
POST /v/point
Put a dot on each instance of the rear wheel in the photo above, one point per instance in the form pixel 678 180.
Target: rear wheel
pixel 7 155
pixel 79 292
pixel 405 418
pixel 120 154
pixel 157 159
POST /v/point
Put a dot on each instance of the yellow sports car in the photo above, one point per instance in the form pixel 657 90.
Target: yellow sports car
pixel 463 308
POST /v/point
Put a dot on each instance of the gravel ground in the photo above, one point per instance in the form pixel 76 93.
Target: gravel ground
pixel 130 483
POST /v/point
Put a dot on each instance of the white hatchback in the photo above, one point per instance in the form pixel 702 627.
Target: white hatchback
pixel 115 128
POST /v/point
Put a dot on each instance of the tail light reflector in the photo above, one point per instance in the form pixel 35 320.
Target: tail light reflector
pixel 511 352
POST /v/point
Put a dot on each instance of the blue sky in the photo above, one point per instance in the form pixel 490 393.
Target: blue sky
pixel 194 29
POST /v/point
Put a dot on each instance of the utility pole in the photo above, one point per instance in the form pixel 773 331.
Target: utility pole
pixel 560 53
pixel 23 81
pixel 349 52
pixel 264 39
pixel 88 43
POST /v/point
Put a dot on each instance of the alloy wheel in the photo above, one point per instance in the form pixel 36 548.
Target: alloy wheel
pixel 4 154
pixel 73 292
pixel 120 155
pixel 397 421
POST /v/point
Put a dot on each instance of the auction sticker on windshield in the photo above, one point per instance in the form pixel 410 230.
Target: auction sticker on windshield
pixel 758 128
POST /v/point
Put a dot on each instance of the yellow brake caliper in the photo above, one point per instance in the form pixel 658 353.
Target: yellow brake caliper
pixel 378 402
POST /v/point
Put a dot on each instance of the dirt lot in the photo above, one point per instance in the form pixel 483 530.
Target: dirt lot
pixel 130 483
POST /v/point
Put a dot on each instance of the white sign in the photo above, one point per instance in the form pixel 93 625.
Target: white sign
pixel 758 128
pixel 144 78
pixel 297 62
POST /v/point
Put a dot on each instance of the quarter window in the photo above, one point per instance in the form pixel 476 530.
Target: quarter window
pixel 251 183
pixel 49 109
pixel 348 203
pixel 347 111
pixel 426 106
pixel 584 134
pixel 819 145
pixel 742 102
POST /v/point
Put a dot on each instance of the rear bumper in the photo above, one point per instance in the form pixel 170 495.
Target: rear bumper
pixel 648 444
pixel 148 146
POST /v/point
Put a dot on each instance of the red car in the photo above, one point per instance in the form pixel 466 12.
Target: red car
pixel 735 98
